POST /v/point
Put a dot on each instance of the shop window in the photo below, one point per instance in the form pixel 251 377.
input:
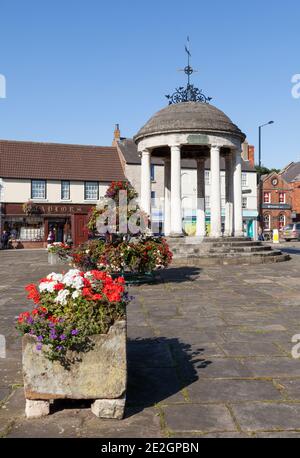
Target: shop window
pixel 281 221
pixel 245 203
pixel 91 190
pixel 267 197
pixel 30 229
pixel 267 222
pixel 65 190
pixel 38 189
pixel 282 197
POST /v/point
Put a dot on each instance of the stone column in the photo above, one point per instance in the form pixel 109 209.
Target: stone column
pixel 215 207
pixel 237 191
pixel 229 195
pixel 146 182
pixel 167 201
pixel 176 213
pixel 201 227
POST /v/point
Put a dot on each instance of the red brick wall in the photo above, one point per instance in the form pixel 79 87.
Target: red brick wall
pixel 296 198
pixel 282 186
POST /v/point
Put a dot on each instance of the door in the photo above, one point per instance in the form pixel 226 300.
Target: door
pixel 80 233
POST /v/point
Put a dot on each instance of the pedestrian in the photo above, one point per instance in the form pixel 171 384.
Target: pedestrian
pixel 51 237
pixel 4 239
pixel 261 237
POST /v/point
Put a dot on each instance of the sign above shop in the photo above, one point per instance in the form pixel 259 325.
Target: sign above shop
pixel 276 207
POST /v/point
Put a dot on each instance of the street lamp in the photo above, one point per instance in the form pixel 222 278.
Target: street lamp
pixel 259 142
pixel 259 172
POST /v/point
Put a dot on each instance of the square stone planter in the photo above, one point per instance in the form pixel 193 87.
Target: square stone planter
pixel 100 375
pixel 55 260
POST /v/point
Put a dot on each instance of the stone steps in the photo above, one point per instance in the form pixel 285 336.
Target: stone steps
pixel 197 252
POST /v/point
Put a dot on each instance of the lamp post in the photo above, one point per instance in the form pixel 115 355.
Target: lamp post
pixel 259 173
pixel 259 140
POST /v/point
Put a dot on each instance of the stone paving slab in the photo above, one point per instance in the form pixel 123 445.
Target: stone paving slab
pixel 204 418
pixel 209 355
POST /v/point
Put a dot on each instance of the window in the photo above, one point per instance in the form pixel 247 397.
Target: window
pixel 207 201
pixel 38 189
pixel 282 197
pixel 281 221
pixel 244 179
pixel 152 172
pixel 223 202
pixel 207 177
pixel 65 190
pixel 267 197
pixel 91 190
pixel 245 203
pixel 267 222
pixel 152 194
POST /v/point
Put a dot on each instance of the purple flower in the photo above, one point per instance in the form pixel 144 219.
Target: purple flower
pixel 63 337
pixel 53 336
pixel 75 332
pixel 39 347
pixel 59 348
pixel 40 338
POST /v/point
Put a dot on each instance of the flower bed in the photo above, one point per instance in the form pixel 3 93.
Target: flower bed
pixel 74 342
pixel 58 253
pixel 140 255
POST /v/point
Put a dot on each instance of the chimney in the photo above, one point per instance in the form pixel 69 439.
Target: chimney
pixel 245 151
pixel 251 155
pixel 117 135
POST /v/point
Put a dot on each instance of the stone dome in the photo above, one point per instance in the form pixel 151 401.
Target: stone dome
pixel 194 117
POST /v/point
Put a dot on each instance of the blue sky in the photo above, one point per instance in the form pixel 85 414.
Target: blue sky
pixel 75 68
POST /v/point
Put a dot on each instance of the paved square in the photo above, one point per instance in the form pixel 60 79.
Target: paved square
pixel 209 355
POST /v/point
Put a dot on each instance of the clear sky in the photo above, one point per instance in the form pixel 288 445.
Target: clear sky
pixel 75 68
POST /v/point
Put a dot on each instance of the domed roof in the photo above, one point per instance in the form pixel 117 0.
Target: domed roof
pixel 189 117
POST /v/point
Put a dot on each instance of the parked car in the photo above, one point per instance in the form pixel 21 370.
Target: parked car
pixel 291 232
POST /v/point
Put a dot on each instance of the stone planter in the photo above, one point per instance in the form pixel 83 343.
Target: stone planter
pixel 55 260
pixel 100 375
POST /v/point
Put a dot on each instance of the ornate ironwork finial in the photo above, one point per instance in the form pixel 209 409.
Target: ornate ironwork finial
pixel 190 93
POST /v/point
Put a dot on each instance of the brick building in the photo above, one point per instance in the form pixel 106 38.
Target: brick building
pixel 281 197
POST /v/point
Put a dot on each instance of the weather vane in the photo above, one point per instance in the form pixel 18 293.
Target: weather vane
pixel 190 93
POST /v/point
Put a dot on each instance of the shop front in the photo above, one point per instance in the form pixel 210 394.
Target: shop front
pixel 31 229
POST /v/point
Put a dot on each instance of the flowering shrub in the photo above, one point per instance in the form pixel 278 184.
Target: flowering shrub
pixel 71 307
pixel 137 256
pixel 62 250
pixel 113 194
pixel 85 257
pixel 31 208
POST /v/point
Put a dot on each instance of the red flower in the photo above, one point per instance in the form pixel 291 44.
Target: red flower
pixel 43 310
pixel 33 293
pixel 59 287
pixel 35 312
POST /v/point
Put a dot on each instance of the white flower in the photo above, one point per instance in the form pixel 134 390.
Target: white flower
pixel 75 294
pixel 62 296
pixel 47 286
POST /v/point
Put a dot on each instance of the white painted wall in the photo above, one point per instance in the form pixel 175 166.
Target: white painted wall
pixel 18 191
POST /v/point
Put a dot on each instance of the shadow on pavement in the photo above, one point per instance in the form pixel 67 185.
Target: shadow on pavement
pixel 295 251
pixel 158 369
pixel 178 274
